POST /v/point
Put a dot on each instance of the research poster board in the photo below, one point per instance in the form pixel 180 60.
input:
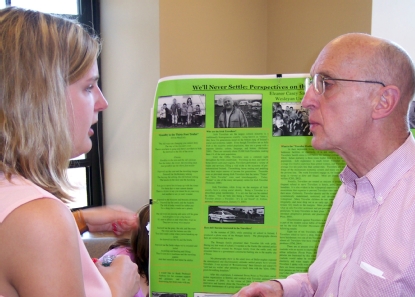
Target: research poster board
pixel 238 194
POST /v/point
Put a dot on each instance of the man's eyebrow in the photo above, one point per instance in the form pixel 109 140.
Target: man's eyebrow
pixel 326 74
pixel 322 73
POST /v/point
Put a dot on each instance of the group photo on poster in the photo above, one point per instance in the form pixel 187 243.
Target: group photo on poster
pixel 185 111
pixel 289 119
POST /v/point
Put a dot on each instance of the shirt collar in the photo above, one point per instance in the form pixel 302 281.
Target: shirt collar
pixel 384 176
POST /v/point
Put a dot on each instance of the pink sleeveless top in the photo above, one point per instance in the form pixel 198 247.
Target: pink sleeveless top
pixel 21 191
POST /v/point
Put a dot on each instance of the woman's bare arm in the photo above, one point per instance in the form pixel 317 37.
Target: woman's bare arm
pixel 39 251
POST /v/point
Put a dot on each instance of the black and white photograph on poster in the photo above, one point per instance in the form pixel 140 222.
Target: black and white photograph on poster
pixel 411 115
pixel 238 111
pixel 165 294
pixel 236 214
pixel 184 111
pixel 290 119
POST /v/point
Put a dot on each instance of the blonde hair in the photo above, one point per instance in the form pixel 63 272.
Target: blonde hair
pixel 41 55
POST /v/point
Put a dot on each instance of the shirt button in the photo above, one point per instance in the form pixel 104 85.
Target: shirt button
pixel 344 256
pixel 331 295
pixel 379 199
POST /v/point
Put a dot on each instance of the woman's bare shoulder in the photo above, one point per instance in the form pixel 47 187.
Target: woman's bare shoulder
pixel 39 238
pixel 38 215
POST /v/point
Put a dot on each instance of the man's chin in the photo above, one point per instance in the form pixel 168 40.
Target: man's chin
pixel 321 144
pixel 317 144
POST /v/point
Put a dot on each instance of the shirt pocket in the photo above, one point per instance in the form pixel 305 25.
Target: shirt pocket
pixel 365 279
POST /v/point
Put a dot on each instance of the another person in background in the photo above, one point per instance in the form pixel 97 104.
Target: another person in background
pixel 179 114
pixel 174 112
pixel 297 127
pixel 278 124
pixel 184 114
pixel 163 114
pixel 231 117
pixel 137 248
pixel 189 111
pixel 113 218
pixel 358 108
pixel 197 115
pixel 49 100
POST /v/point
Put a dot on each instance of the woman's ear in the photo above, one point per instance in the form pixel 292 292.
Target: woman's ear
pixel 386 103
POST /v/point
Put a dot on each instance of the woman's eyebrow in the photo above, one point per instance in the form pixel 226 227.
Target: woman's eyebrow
pixel 93 78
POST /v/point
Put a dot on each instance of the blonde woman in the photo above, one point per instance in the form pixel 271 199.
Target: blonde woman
pixel 49 99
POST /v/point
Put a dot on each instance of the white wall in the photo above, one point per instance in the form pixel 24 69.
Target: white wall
pixel 130 69
pixel 395 20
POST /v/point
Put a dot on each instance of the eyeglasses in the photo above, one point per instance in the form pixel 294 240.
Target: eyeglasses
pixel 319 83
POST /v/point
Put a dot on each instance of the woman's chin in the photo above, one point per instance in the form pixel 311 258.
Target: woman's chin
pixel 81 150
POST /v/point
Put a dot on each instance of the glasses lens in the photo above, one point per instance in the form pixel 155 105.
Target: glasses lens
pixel 308 82
pixel 318 83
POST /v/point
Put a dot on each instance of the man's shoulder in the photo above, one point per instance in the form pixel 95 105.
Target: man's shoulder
pixel 238 110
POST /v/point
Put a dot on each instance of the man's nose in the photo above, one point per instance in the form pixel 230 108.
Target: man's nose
pixel 310 98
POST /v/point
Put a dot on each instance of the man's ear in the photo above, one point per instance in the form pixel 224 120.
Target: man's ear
pixel 386 102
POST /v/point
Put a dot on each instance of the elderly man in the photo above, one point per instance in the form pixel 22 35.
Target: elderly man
pixel 358 105
pixel 231 117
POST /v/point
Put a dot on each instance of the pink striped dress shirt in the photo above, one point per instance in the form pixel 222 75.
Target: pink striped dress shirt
pixel 368 243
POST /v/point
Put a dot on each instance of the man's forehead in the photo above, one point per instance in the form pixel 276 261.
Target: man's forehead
pixel 343 55
pixel 332 64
